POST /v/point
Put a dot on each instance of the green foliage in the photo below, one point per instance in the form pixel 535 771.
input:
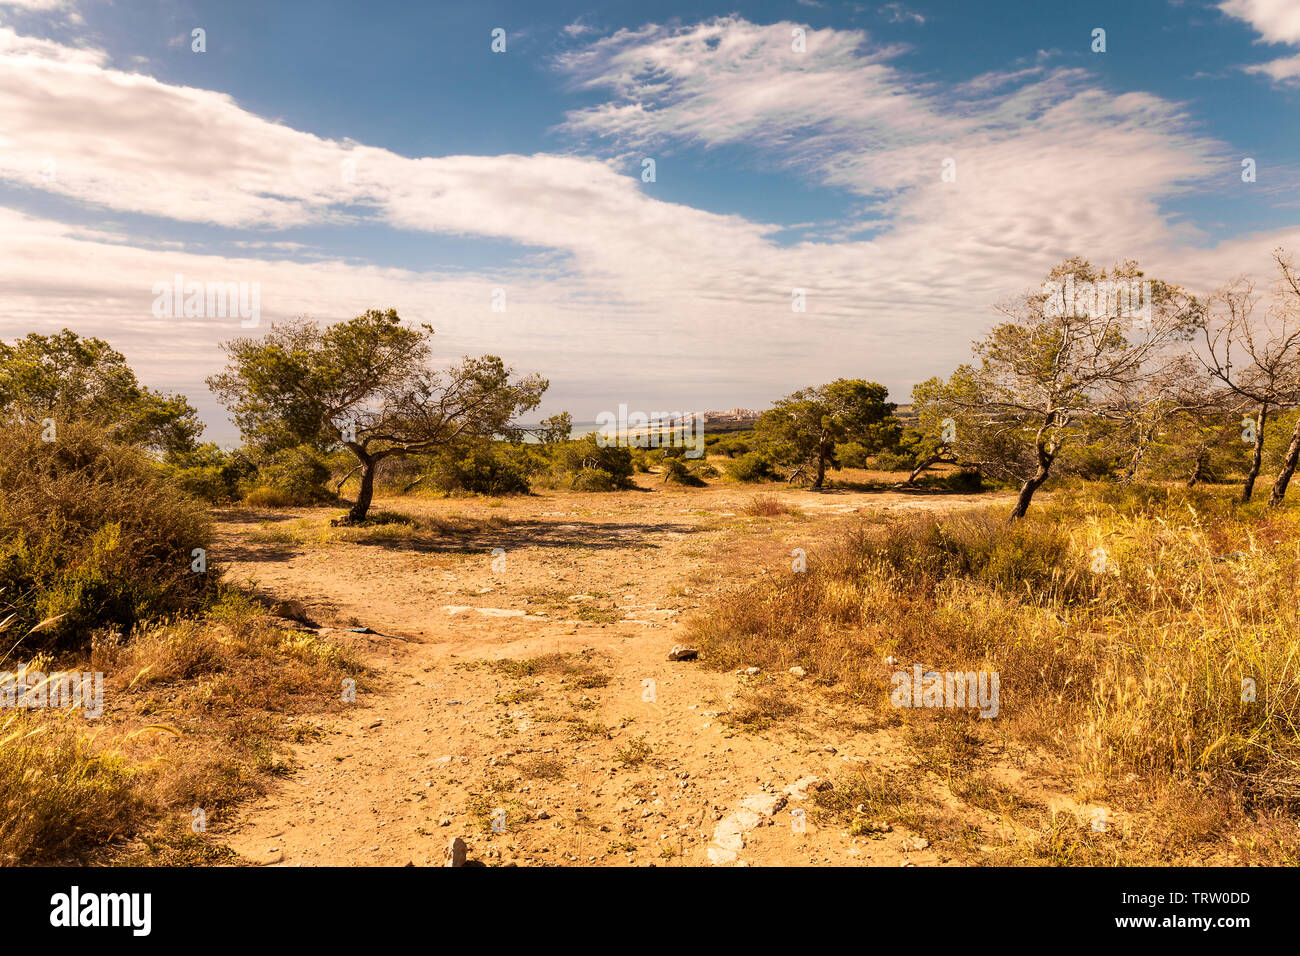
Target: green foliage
pixel 93 531
pixel 290 476
pixel 368 382
pixel 677 472
pixel 595 479
pixel 803 430
pixel 556 428
pixel 487 468
pixel 210 474
pixel 733 446
pixel 853 454
pixel 69 379
pixel 751 467
pixel 593 467
pixel 893 461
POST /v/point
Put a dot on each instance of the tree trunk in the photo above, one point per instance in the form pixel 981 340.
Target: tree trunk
pixel 821 471
pixel 365 493
pixel 1288 469
pixel 1032 484
pixel 932 460
pixel 1198 468
pixel 1138 454
pixel 1249 488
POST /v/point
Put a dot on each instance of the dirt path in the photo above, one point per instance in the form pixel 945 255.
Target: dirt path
pixel 611 754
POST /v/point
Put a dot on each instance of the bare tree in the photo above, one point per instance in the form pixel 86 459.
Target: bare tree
pixel 1256 360
pixel 1285 313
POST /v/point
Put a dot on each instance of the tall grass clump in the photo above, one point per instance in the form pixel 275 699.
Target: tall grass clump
pixel 58 795
pixel 92 534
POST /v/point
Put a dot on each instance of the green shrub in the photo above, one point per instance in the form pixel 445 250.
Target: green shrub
pixel 751 466
pixel 677 472
pixel 293 476
pixel 852 454
pixel 595 468
pixel 93 533
pixel 892 461
pixel 211 474
pixel 495 469
pixel 965 479
pixel 732 446
pixel 594 479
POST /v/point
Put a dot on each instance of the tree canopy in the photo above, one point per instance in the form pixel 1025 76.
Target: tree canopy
pixel 366 383
pixel 64 376
pixel 802 429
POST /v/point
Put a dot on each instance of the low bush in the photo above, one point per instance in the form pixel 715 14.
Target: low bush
pixel 93 533
pixel 751 467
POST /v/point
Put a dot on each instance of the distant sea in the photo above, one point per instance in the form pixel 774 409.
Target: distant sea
pixel 579 429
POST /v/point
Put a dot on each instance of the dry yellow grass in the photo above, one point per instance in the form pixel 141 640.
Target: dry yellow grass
pixel 198 714
pixel 1146 637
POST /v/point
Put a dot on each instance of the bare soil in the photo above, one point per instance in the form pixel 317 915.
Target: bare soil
pixel 607 754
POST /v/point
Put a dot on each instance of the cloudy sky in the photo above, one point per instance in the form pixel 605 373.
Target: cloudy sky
pixel 344 156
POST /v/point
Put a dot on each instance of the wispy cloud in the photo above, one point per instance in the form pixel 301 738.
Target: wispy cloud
pixel 1046 163
pixel 1277 21
pixel 897 13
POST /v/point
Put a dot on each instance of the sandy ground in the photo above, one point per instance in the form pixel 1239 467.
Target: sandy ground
pixel 442 743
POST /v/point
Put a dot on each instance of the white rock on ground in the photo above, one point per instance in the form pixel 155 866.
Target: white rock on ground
pixel 801 788
pixel 764 804
pixel 729 835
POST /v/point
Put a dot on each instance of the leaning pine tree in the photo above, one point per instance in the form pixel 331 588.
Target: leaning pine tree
pixel 367 384
pixel 1063 367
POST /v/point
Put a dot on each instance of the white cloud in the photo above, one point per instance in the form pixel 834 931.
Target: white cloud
pixel 897 13
pixel 1051 165
pixel 1284 70
pixel 36 4
pixel 629 291
pixel 1277 21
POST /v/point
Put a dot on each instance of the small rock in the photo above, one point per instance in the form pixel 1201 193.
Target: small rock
pixel 681 652
pixel 454 855
pixel 764 804
pixel 798 672
pixel 800 789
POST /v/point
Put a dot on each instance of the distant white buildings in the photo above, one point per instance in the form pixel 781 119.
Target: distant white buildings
pixel 733 414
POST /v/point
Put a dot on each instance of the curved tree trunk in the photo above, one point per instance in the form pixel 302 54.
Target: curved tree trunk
pixel 1288 469
pixel 365 493
pixel 932 460
pixel 1045 459
pixel 1199 468
pixel 1249 487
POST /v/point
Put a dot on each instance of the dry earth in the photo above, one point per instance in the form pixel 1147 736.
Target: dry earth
pixel 612 755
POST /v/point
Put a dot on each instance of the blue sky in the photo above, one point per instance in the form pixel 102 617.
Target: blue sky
pixel 131 157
